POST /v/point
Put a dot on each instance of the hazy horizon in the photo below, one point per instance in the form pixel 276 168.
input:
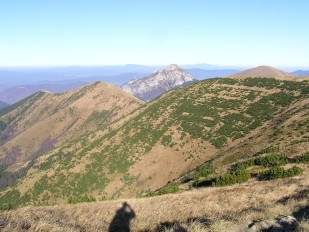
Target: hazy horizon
pixel 155 67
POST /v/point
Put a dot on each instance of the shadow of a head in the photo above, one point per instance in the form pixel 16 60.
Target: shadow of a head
pixel 122 218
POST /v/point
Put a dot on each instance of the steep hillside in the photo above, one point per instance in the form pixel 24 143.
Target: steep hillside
pixel 282 142
pixel 158 82
pixel 3 104
pixel 262 71
pixel 46 120
pixel 163 140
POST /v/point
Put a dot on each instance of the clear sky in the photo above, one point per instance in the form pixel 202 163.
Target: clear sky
pixel 156 32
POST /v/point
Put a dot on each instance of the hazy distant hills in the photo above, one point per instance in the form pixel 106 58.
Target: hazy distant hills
pixel 17 83
pixel 123 147
pixel 301 73
pixel 158 82
pixel 262 71
pixel 16 93
pixel 43 75
pixel 201 74
pixel 3 104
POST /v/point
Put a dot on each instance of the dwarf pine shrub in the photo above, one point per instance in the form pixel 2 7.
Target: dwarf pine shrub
pixel 203 171
pixel 272 160
pixel 279 173
pixel 268 150
pixel 85 198
pixel 245 164
pixel 169 188
pixel 6 206
pixel 233 177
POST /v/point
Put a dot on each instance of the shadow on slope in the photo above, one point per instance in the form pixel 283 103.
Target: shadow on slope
pixel 122 219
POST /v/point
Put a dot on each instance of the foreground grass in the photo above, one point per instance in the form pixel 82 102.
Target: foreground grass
pixel 230 208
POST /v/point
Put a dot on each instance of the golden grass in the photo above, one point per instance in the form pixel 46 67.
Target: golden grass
pixel 56 119
pixel 230 208
pixel 263 71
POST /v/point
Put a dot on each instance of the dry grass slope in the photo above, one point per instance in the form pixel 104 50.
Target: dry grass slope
pixel 211 209
pixel 262 71
pixel 48 120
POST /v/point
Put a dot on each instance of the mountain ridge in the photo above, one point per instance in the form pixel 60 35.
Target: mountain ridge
pixel 47 119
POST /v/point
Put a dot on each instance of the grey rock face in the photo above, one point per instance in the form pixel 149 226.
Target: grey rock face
pixel 158 82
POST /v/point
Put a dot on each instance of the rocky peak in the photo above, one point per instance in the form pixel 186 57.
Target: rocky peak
pixel 158 82
pixel 173 67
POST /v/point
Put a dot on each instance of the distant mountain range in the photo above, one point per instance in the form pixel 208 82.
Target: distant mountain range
pixel 301 73
pixel 3 104
pixel 43 75
pixel 158 82
pixel 202 74
pixel 17 83
pixel 15 93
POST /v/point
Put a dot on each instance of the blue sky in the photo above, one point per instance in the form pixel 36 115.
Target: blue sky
pixel 157 32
